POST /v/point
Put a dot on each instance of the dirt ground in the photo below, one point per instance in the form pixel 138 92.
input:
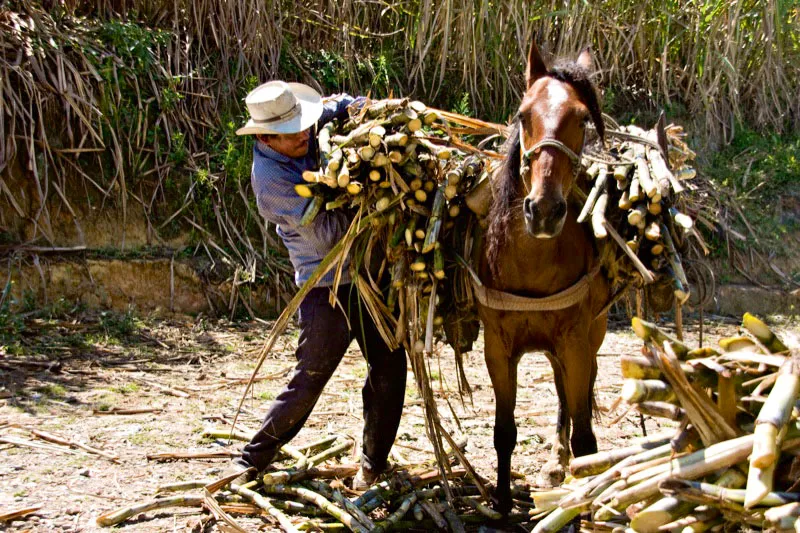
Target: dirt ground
pixel 62 376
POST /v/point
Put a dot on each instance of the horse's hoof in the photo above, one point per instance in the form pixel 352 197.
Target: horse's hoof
pixel 551 475
pixel 502 505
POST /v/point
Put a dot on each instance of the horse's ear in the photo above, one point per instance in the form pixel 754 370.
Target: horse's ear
pixel 585 59
pixel 536 67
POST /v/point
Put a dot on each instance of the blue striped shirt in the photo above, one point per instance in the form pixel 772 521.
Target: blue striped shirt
pixel 274 177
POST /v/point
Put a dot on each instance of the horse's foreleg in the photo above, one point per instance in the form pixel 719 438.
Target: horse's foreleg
pixel 503 372
pixel 580 369
pixel 553 471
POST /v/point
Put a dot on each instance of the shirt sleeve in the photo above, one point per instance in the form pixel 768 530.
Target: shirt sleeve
pixel 281 205
pixel 336 107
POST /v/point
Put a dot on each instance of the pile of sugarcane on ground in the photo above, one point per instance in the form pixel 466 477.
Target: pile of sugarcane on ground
pixel 306 492
pixel 731 462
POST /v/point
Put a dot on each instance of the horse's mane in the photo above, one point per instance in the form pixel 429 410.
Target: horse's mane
pixel 506 182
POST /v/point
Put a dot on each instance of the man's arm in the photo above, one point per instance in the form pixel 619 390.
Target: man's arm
pixel 281 204
pixel 336 107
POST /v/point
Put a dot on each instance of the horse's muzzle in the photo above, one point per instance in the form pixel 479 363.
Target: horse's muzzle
pixel 544 219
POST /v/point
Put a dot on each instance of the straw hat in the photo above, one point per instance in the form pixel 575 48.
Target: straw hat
pixel 280 107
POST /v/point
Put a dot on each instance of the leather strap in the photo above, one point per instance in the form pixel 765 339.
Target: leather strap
pixel 506 301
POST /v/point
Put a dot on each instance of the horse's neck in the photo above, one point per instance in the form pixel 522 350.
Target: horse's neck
pixel 541 266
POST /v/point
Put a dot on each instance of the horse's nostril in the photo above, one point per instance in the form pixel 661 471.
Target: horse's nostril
pixel 528 208
pixel 560 210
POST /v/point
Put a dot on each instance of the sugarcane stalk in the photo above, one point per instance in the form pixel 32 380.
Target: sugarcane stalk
pixel 331 452
pixel 393 519
pixel 266 505
pixel 701 411
pixel 547 500
pixel 597 188
pixel 353 509
pixel 599 216
pixel 679 489
pixel 646 390
pixel 435 221
pixel 120 515
pixel 324 142
pixel 783 517
pixel 382 107
pixel 624 202
pixel 596 463
pixel 649 186
pixel 653 231
pixel 488 512
pixel 229 434
pixel 649 332
pixel 639 367
pixel 705 514
pixel 431 510
pixel 775 414
pixel 637 214
pixel 557 519
pixel 762 332
pixel 621 172
pixel 647 276
pixel 692 466
pixel 634 193
pixel 183 486
pixel 772 499
pixel 663 511
pixel 661 410
pixel 311 210
pixel 320 501
pixel 669 509
pixel 441 152
pixel 376 135
pixel 297 507
pixel 438 264
pixel 684 221
pixel 419 516
pixel 675 262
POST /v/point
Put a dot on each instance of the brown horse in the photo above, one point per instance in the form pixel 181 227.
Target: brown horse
pixel 535 248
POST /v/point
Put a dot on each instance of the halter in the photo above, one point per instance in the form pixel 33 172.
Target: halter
pixel 527 155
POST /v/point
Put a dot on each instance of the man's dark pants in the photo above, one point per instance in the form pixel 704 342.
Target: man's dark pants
pixel 324 338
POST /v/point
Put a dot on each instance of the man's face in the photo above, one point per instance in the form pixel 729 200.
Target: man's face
pixel 290 144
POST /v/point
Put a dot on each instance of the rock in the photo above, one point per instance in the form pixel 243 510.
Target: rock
pixel 85 473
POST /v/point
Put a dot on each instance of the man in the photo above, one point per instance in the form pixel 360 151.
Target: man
pixel 283 116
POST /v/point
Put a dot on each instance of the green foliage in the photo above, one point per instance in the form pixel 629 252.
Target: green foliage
pixel 11 323
pixel 117 326
pixel 761 172
pixel 136 44
pixel 462 106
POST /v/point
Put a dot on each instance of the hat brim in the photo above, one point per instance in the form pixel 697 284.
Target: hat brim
pixel 310 110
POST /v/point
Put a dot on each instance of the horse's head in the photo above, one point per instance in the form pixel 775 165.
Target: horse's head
pixel 555 109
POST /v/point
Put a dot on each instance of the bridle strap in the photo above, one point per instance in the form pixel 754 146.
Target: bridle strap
pixel 527 155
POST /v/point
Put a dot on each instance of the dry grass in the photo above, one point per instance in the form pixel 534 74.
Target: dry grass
pixel 127 104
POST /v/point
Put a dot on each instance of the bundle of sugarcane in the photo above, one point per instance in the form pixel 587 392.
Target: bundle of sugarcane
pixel 636 181
pixel 732 434
pixel 305 492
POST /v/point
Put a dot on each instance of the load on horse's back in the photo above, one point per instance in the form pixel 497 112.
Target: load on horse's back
pixel 539 267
